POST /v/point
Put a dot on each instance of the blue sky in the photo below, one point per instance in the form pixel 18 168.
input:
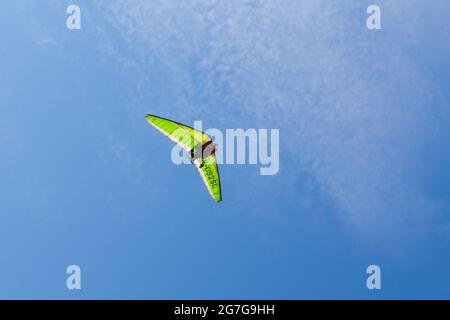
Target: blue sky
pixel 363 118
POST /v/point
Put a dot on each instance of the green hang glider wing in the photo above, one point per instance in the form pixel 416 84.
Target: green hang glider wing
pixel 185 136
pixel 207 167
pixel 193 141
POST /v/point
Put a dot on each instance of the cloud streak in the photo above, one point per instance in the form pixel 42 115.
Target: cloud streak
pixel 354 105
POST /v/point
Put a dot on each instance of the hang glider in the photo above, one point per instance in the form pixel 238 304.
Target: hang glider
pixel 198 146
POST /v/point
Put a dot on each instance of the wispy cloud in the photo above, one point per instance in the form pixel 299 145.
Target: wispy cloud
pixel 351 103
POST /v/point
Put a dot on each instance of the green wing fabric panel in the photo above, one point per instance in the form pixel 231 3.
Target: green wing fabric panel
pixel 183 135
pixel 209 172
